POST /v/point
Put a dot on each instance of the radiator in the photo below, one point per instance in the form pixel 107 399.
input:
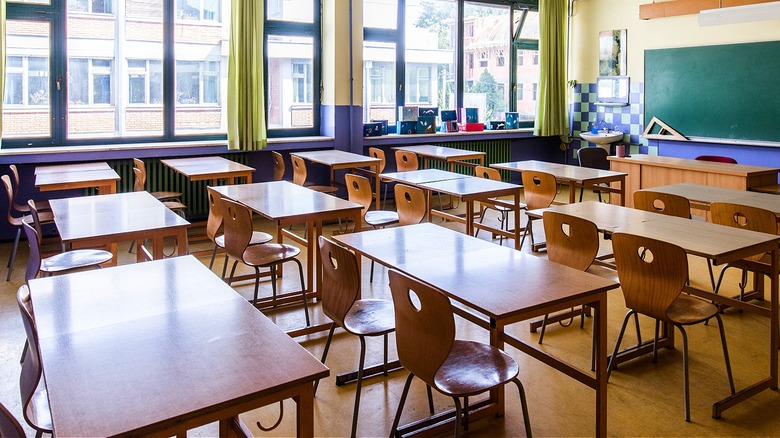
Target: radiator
pixel 496 151
pixel 161 178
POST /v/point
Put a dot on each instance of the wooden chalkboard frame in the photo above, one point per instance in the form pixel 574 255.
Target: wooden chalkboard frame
pixel 728 93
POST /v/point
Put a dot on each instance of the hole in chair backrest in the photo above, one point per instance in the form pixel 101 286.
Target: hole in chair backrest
pixel 566 229
pixel 537 181
pixel 355 185
pixel 645 254
pixel 414 300
pixel 408 197
pixel 333 260
pixel 659 205
pixel 740 219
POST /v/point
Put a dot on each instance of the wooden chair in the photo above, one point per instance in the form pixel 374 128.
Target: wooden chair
pixel 716 158
pixel 652 275
pixel 359 191
pixel 748 218
pixel 16 219
pixel 380 155
pixel 503 220
pixel 670 205
pixel 410 203
pixel 595 158
pixel 9 426
pixel 539 189
pixel 571 241
pixel 300 174
pixel 140 180
pixel 238 235
pixel 35 399
pixel 406 161
pixel 279 167
pixel 22 208
pixel 214 223
pixel 425 339
pixel 363 318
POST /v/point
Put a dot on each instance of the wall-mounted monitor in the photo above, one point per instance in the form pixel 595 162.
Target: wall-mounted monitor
pixel 612 90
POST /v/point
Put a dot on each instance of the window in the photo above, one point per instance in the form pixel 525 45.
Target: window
pixel 144 81
pixel 500 59
pixel 301 77
pixel 483 60
pixel 520 57
pixel 535 85
pixel 536 58
pixel 27 81
pixel 93 6
pixel 418 85
pixel 200 10
pixel 519 91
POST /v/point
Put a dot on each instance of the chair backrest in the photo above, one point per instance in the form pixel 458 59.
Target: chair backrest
pixel 716 158
pixel 21 208
pixel 31 367
pixel 571 240
pixel 406 161
pixel 424 326
pixel 279 166
pixel 410 204
pixel 539 188
pixel 359 191
pixel 214 221
pixel 744 217
pixel 487 173
pixel 139 185
pixel 663 203
pixel 9 426
pixel 299 170
pixel 10 194
pixel 340 280
pixel 238 228
pixel 34 242
pixel 380 154
pixel 593 157
pixel 652 273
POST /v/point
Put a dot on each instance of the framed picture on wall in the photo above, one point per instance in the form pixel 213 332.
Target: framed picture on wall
pixel 612 52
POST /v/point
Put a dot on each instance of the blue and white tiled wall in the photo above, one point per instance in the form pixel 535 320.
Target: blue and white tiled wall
pixel 627 119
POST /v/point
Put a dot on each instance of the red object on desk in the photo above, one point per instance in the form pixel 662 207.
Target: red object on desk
pixel 471 127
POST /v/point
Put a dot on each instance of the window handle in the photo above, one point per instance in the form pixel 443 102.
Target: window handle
pixel 58 80
pixel 400 86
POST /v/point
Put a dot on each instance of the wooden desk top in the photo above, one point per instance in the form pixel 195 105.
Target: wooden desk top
pixel 706 195
pixel 697 165
pixel 441 152
pixel 562 172
pixel 470 186
pixel 719 243
pixel 421 176
pixel 75 167
pixel 112 215
pixel 168 336
pixel 77 178
pixel 482 275
pixel 336 158
pixel 284 200
pixel 199 168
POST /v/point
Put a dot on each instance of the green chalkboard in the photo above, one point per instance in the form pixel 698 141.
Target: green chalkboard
pixel 721 92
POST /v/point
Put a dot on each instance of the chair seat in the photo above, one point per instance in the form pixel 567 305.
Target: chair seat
pixel 473 367
pixel 258 237
pixel 323 189
pixel 75 259
pixel 269 254
pixel 687 309
pixel 167 196
pixel 174 205
pixel 489 204
pixel 379 218
pixel 370 318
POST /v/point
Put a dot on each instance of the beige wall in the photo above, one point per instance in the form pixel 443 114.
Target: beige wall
pixel 592 16
pixel 335 52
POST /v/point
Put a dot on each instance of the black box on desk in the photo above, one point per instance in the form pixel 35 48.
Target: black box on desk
pixel 469 115
pixel 426 125
pixel 384 126
pixel 406 127
pixel 373 129
pixel 428 111
pixel 449 115
pixel 497 125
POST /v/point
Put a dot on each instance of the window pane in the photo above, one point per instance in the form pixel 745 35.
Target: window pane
pixel 486 83
pixel 291 10
pixel 27 109
pixel 201 53
pixel 290 79
pixel 379 82
pixel 381 14
pixel 527 67
pixel 430 53
pixel 78 5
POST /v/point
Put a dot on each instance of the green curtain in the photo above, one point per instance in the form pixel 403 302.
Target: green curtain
pixel 246 94
pixel 551 110
pixel 2 66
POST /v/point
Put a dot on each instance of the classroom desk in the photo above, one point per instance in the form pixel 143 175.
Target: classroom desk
pixel 648 171
pixel 159 348
pixel 77 176
pixel 414 177
pixel 483 277
pixel 286 203
pixel 445 154
pixel 701 196
pixel 210 169
pixel 574 176
pixel 88 221
pixel 718 243
pixel 336 159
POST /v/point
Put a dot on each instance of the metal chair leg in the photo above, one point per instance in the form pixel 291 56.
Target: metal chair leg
pixel 524 406
pixel 458 414
pixel 303 292
pixel 726 353
pixel 394 429
pixel 617 343
pixel 213 256
pixel 359 386
pixel 687 401
pixel 325 352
